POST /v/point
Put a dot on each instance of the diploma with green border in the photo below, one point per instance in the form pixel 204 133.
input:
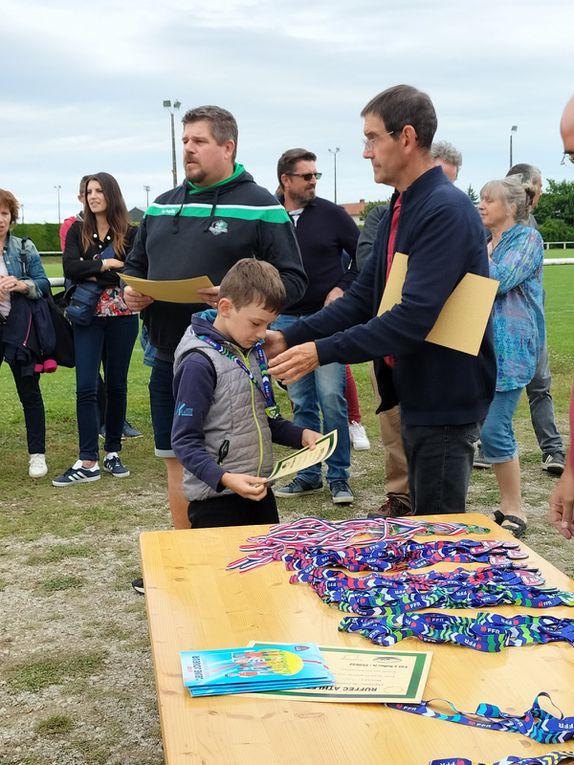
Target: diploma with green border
pixel 304 458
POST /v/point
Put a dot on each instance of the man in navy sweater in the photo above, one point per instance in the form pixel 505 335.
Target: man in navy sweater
pixel 443 394
pixel 324 233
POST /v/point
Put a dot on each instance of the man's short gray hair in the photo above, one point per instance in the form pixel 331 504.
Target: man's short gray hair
pixel 447 152
pixel 223 124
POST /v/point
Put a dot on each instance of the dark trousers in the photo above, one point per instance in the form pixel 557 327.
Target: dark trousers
pixel 232 510
pixel 28 389
pixel 119 334
pixel 439 460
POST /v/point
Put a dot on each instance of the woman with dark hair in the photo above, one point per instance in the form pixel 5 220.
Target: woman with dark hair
pixel 33 283
pixel 515 259
pixel 96 248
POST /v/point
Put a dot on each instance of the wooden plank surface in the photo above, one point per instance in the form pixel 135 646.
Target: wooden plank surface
pixel 193 603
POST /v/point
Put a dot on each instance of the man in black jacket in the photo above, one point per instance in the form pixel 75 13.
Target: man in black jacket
pixel 443 393
pixel 217 216
pixel 324 232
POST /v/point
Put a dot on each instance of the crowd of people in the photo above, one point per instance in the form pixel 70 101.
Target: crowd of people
pixel 297 296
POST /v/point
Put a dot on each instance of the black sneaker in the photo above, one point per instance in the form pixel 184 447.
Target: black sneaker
pixel 77 474
pixel 130 432
pixel 113 465
pixel 553 463
pixel 138 586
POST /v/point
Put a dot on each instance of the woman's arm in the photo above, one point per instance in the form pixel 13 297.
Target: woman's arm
pixel 78 265
pixel 36 281
pixel 516 258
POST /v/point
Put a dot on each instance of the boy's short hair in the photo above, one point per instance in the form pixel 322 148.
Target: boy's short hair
pixel 254 281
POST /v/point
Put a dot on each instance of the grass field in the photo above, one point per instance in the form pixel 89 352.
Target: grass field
pixel 76 682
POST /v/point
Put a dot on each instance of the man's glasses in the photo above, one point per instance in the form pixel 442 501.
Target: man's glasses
pixel 369 143
pixel 570 155
pixel 306 176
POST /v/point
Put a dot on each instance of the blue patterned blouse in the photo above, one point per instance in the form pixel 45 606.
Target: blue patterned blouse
pixel 518 313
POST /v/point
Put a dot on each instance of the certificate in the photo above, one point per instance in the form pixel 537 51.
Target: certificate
pixel 304 458
pixel 367 676
pixel 461 324
pixel 170 290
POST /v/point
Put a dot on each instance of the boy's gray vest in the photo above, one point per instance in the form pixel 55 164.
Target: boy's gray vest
pixel 237 416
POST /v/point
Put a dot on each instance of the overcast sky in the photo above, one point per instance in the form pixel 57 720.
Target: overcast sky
pixel 83 86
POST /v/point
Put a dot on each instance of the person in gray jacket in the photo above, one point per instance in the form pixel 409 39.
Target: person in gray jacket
pixel 225 417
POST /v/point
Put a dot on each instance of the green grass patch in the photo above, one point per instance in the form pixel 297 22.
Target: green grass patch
pixel 55 725
pixel 62 582
pixel 58 553
pixel 36 674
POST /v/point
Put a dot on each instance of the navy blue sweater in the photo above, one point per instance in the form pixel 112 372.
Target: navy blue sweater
pixel 442 234
pixel 324 231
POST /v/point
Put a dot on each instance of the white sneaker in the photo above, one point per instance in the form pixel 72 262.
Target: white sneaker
pixel 359 439
pixel 37 467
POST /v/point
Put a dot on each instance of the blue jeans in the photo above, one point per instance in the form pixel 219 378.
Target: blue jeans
pixel 119 334
pixel 322 392
pixel 439 462
pixel 28 389
pixel 498 442
pixel 542 408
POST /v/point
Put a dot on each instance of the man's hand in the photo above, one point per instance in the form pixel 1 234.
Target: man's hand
pixel 248 486
pixel 562 504
pixel 333 294
pixel 209 295
pixel 310 437
pixel 294 363
pixel 135 301
pixel 274 343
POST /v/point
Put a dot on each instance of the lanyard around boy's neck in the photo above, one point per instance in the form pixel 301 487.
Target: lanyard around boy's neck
pixel 265 388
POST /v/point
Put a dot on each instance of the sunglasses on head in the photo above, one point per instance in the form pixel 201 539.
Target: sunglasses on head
pixel 306 176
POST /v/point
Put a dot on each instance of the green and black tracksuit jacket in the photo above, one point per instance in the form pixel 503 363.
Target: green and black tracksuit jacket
pixel 191 231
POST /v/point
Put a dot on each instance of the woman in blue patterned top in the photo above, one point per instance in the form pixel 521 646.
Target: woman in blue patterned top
pixel 515 257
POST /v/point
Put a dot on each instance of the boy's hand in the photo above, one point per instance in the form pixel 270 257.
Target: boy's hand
pixel 248 486
pixel 310 437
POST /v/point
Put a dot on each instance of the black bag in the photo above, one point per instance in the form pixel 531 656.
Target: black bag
pixel 63 351
pixel 83 299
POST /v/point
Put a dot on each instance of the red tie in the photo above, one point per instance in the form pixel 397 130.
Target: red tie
pixel 390 360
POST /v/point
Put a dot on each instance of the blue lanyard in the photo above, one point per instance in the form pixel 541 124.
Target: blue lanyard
pixel 535 723
pixel 551 758
pixel 486 631
pixel 266 389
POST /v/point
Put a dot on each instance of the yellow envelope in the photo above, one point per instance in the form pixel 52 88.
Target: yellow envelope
pixel 170 290
pixel 461 324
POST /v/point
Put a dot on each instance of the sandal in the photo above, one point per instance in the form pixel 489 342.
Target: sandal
pixel 514 524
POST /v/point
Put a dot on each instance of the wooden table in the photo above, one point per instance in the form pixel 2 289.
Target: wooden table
pixel 193 603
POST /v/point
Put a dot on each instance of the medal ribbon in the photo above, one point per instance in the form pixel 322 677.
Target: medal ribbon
pixel 486 631
pixel 551 758
pixel 536 723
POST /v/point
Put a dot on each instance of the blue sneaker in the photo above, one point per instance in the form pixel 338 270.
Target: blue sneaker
pixel 77 474
pixel 298 487
pixel 341 493
pixel 113 465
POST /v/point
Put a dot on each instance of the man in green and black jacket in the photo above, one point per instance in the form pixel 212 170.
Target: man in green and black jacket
pixel 217 216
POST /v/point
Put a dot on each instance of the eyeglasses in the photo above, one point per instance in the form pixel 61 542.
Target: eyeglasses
pixel 368 143
pixel 570 155
pixel 306 176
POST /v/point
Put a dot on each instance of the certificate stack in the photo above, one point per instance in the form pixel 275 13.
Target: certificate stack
pixel 265 667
